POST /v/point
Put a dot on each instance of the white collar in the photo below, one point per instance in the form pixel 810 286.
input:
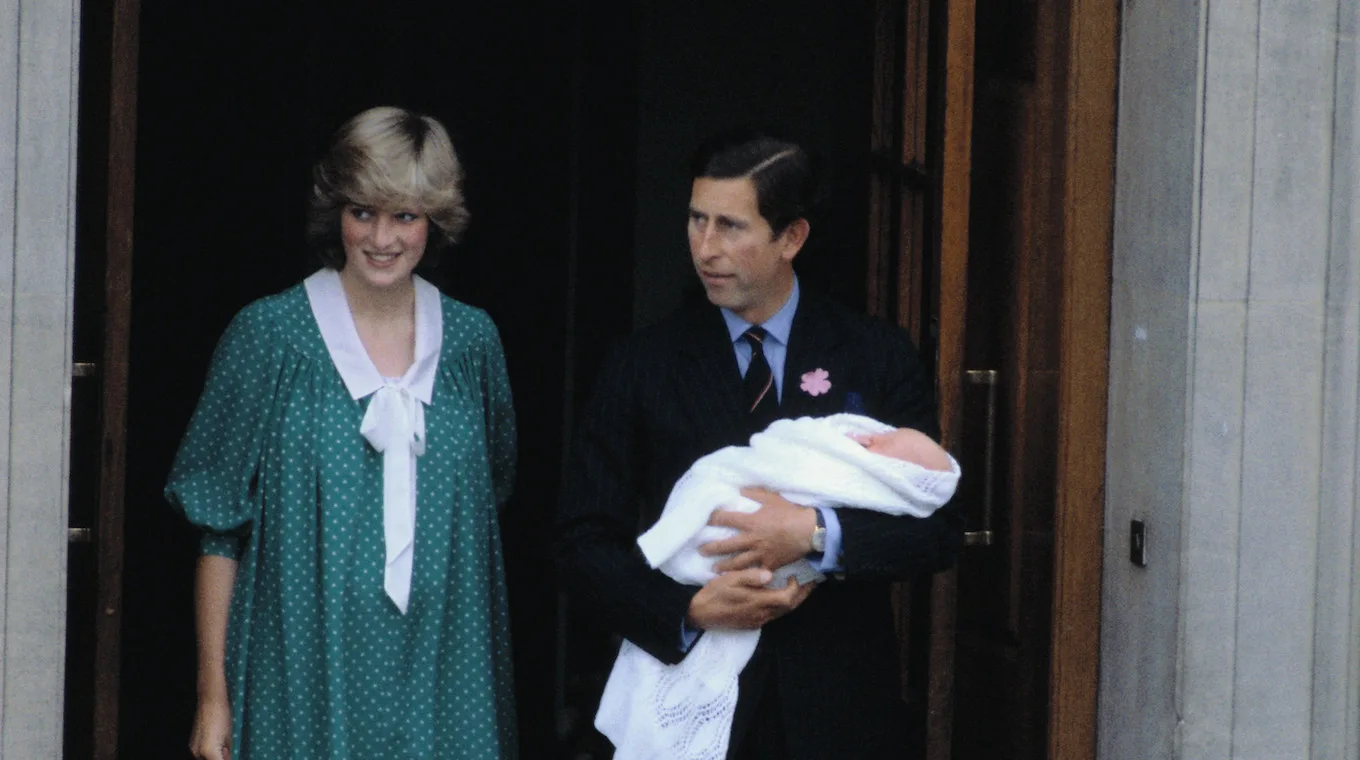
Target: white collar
pixel 326 294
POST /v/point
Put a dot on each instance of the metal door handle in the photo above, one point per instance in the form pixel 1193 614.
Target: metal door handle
pixel 986 536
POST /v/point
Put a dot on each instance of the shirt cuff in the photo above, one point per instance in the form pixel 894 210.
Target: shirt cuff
pixel 830 560
pixel 687 636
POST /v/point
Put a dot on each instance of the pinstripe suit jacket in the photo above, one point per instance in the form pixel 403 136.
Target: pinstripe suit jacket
pixel 671 394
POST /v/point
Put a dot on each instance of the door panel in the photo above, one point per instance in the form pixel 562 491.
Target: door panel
pixel 1015 322
pixel 1005 588
pixel 976 254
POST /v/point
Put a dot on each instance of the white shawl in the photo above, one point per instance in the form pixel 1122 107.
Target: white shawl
pixel 653 711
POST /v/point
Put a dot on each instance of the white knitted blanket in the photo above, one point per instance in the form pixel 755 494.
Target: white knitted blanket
pixel 654 711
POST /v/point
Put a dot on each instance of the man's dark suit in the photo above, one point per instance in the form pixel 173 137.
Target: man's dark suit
pixel 673 393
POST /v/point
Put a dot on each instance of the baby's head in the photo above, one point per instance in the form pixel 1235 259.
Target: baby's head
pixel 906 445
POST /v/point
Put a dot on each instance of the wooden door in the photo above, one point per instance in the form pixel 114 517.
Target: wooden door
pixel 1008 435
pixel 991 200
pixel 917 262
pixel 103 301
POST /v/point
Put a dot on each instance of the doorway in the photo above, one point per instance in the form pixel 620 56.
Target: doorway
pixel 574 120
pixel 544 103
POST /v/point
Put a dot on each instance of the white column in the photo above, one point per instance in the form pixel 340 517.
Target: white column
pixel 1238 434
pixel 39 46
pixel 1157 157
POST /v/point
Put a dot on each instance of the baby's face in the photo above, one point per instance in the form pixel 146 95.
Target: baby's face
pixel 907 445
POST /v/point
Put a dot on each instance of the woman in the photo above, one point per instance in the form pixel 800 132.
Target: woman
pixel 345 464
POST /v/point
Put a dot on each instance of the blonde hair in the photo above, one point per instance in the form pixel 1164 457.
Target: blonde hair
pixel 387 158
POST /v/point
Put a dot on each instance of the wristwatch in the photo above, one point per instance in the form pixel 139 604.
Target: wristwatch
pixel 819 535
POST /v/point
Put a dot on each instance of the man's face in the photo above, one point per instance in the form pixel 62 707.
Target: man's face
pixel 742 264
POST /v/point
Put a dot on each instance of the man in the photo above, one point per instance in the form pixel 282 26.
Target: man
pixel 824 680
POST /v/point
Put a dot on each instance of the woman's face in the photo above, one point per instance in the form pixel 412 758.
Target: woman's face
pixel 382 247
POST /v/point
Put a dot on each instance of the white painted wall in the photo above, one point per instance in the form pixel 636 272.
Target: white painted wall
pixel 1234 377
pixel 38 57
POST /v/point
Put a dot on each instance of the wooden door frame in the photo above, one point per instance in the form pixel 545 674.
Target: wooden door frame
pixel 1086 220
pixel 122 145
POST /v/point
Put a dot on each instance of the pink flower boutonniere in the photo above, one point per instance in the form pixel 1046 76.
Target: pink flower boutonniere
pixel 816 382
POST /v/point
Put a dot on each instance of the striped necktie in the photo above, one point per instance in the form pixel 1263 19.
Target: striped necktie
pixel 762 400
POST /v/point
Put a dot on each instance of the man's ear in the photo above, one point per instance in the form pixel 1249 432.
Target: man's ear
pixel 794 236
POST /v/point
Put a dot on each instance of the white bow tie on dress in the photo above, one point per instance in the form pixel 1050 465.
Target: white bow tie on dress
pixel 395 426
pixel 395 421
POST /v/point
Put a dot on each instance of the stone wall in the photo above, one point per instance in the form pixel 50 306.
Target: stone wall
pixel 38 52
pixel 1234 375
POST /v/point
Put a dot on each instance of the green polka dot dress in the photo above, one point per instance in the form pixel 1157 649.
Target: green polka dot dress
pixel 320 663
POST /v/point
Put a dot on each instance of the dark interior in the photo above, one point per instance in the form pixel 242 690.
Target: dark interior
pixel 574 121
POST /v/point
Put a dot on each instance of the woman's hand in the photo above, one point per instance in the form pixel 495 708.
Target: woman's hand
pixel 211 738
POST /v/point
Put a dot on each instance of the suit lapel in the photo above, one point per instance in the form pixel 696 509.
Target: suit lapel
pixel 710 382
pixel 814 344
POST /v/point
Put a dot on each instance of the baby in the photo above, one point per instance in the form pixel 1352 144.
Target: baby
pixel 840 460
pixel 684 711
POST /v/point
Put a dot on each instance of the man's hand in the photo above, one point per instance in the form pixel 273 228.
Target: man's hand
pixel 771 537
pixel 740 600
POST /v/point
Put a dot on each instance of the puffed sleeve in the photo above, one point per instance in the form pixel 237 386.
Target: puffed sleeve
pixel 215 472
pixel 500 414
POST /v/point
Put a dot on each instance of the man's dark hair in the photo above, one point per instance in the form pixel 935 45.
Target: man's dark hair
pixel 780 169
